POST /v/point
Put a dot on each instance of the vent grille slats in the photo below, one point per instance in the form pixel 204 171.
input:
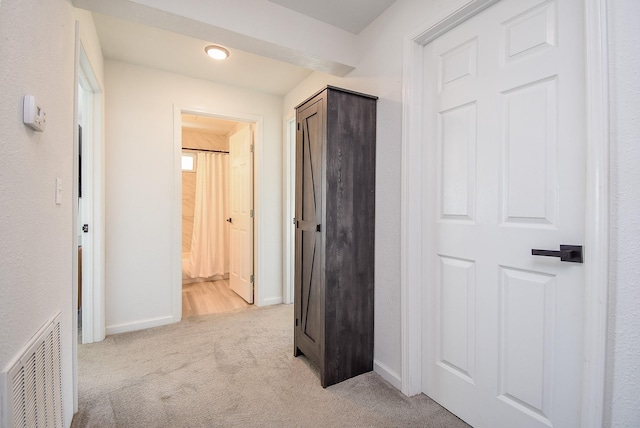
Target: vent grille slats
pixel 17 397
pixel 34 387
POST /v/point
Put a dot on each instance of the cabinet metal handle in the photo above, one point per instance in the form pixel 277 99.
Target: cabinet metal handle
pixel 567 253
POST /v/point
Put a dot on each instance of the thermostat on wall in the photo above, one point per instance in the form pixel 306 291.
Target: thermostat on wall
pixel 33 115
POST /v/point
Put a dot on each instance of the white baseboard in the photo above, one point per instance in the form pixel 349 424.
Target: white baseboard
pixel 141 325
pixel 270 301
pixel 387 374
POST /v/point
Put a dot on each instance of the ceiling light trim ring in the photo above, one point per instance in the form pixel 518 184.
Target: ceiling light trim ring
pixel 217 52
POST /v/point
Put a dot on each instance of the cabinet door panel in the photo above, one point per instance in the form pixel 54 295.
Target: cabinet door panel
pixel 308 293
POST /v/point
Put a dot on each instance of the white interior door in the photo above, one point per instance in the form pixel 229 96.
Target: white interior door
pixel 505 151
pixel 241 201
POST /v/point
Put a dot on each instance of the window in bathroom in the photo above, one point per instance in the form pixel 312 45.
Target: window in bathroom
pixel 188 162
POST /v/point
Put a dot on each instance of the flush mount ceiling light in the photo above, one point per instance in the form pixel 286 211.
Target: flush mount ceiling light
pixel 216 52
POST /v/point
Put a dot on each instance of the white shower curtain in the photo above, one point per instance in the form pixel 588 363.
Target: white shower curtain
pixel 210 241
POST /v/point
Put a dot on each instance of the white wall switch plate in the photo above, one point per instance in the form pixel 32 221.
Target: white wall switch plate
pixel 33 114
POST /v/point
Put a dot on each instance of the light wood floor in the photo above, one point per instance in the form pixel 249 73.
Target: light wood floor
pixel 201 298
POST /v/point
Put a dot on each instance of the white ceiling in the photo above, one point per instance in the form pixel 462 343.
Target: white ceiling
pixel 149 46
pixel 140 44
pixel 350 15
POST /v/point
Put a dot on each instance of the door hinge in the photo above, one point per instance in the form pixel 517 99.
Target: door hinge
pixel 251 148
pixel 252 279
pixel 251 213
pixel 85 228
pixel 298 126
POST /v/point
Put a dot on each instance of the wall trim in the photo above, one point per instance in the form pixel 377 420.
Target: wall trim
pixel 141 324
pixel 597 201
pixel 387 374
pixel 93 296
pixel 271 301
pixel 597 213
pixel 74 223
pixel 289 191
pixel 456 13
pixel 410 215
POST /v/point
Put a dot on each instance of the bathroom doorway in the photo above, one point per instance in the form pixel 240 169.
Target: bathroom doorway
pixel 217 214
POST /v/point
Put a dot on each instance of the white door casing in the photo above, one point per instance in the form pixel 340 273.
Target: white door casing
pixel 93 314
pixel 85 211
pixel 597 177
pixel 92 211
pixel 241 213
pixel 289 179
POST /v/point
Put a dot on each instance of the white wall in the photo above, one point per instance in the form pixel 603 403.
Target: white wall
pixel 623 372
pixel 140 188
pixel 380 73
pixel 37 46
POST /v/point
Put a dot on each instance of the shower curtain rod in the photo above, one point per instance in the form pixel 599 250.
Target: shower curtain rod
pixel 205 150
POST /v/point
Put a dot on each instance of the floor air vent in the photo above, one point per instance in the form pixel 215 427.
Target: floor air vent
pixel 33 384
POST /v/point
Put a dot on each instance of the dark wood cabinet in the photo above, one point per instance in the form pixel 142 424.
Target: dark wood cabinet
pixel 334 242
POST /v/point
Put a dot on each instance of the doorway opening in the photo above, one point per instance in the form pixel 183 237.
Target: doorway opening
pixel 217 214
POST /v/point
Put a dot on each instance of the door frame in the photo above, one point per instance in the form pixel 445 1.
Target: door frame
pixel 596 210
pixel 257 123
pixel 93 297
pixel 289 191
pixel 93 310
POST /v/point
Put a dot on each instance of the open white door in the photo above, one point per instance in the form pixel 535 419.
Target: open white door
pixel 505 149
pixel 241 202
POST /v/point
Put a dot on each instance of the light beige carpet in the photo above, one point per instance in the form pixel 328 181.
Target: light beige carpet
pixel 231 370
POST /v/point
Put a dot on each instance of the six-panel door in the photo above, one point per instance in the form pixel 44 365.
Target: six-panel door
pixel 505 152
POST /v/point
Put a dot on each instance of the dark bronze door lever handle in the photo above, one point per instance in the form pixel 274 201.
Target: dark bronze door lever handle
pixel 567 253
